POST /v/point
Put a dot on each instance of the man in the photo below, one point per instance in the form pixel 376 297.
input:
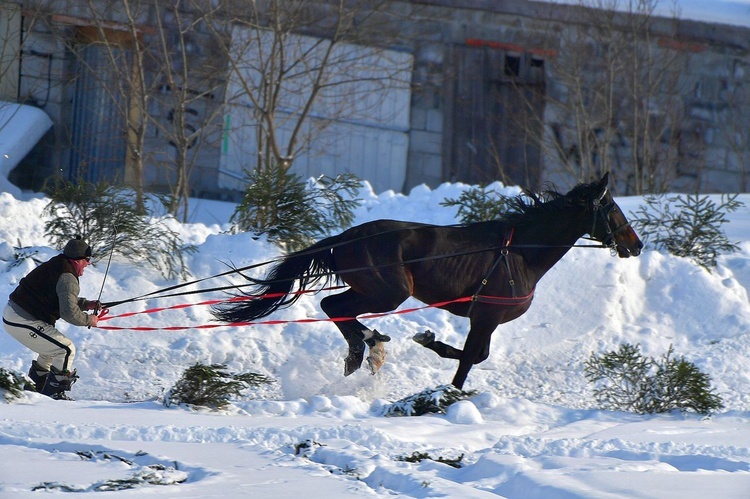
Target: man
pixel 46 294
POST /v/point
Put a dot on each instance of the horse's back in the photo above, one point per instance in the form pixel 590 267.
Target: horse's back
pixel 382 227
pixel 379 239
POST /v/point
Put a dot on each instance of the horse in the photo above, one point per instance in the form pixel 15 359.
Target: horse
pixel 485 271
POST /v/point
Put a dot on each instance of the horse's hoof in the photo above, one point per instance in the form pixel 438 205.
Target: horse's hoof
pixel 353 361
pixel 376 359
pixel 376 338
pixel 425 338
pixel 350 366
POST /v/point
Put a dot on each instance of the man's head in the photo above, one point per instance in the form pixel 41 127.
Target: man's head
pixel 79 253
pixel 77 249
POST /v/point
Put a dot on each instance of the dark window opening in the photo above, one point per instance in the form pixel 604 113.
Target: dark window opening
pixel 512 65
pixel 495 122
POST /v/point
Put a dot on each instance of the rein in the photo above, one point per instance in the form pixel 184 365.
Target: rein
pixel 504 248
pixel 248 267
pixel 157 294
pixel 495 300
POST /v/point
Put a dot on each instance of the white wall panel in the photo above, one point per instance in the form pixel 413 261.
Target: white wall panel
pixel 359 125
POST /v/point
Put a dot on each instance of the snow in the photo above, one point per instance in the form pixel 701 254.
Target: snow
pixel 531 431
pixel 21 127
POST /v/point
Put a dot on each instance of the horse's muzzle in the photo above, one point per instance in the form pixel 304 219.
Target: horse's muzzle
pixel 627 243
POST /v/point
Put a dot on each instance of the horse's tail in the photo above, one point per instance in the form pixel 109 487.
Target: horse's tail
pixel 307 266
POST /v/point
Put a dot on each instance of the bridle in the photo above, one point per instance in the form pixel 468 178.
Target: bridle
pixel 602 211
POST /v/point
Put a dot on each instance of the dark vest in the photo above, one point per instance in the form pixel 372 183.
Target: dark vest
pixel 36 292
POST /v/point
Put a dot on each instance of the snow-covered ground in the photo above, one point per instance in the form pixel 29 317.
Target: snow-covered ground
pixel 532 430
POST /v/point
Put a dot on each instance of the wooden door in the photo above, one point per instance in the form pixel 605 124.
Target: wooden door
pixel 496 110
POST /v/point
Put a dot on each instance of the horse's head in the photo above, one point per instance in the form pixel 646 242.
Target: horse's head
pixel 609 225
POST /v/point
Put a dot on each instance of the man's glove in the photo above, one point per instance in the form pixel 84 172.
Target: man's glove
pixel 93 305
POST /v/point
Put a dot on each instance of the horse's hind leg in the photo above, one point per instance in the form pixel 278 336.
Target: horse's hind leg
pixel 350 304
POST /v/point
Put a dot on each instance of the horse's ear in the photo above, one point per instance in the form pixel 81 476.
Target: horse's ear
pixel 603 183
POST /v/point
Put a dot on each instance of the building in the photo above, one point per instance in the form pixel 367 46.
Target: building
pixel 482 90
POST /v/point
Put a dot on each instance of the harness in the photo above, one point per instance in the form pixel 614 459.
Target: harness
pixel 600 211
pixel 513 299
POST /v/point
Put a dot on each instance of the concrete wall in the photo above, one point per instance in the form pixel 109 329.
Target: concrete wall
pixel 715 76
pixel 716 68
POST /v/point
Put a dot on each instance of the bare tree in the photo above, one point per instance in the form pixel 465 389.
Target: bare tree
pixel 158 84
pixel 16 21
pixel 10 49
pixel 617 107
pixel 191 78
pixel 734 130
pixel 299 65
pixel 138 92
pixel 109 53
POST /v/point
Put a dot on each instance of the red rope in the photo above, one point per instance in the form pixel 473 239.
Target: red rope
pixel 496 300
pixel 214 302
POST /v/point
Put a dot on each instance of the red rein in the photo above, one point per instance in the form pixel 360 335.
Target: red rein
pixel 492 300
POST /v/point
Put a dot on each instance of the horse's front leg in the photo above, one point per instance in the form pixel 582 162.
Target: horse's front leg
pixel 376 343
pixel 476 350
pixel 427 340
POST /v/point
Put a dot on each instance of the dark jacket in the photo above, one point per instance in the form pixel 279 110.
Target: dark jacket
pixel 36 293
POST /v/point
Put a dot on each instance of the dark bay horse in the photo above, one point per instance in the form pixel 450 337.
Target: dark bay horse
pixel 485 271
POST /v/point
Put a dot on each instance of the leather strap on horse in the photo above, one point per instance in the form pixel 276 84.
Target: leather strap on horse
pixel 157 294
pixel 504 300
pixel 501 300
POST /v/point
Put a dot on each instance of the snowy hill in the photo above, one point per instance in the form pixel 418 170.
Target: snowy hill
pixel 532 430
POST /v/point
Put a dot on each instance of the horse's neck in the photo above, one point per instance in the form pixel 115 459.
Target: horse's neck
pixel 543 245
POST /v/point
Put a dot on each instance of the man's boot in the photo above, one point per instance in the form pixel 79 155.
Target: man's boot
pixel 38 376
pixel 59 382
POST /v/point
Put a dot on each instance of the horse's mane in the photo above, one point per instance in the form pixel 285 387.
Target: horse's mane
pixel 531 206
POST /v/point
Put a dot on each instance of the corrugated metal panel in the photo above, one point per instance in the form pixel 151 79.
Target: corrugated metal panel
pixel 98 137
pixel 365 114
